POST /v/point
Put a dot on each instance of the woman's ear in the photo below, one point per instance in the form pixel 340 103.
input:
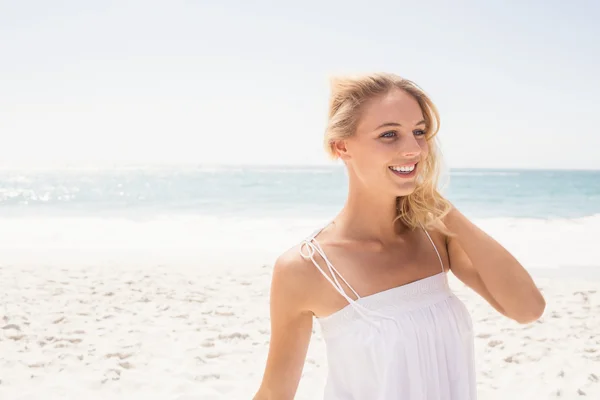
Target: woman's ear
pixel 339 148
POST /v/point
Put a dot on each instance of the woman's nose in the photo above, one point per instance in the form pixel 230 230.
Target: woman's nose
pixel 411 148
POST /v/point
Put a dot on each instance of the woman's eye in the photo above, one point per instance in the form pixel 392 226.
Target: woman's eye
pixel 419 132
pixel 389 134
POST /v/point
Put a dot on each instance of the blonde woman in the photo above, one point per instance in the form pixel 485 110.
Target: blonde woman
pixel 375 277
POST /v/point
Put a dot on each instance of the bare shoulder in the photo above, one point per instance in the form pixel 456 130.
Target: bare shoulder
pixel 295 276
pixel 291 264
pixel 438 236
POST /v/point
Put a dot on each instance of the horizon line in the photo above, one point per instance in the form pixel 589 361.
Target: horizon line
pixel 333 165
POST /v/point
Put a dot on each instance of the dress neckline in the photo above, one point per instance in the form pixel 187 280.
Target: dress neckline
pixel 404 288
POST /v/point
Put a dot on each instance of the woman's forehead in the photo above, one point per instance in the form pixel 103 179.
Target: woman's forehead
pixel 394 107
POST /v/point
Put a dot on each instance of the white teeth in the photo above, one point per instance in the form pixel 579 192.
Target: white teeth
pixel 405 169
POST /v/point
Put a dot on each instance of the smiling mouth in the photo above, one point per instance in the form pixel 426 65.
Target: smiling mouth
pixel 404 170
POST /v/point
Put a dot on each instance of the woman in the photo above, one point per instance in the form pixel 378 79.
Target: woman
pixel 376 276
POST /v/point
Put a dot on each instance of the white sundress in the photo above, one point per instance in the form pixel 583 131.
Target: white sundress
pixel 411 342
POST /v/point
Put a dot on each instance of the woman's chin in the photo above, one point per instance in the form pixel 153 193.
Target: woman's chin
pixel 405 188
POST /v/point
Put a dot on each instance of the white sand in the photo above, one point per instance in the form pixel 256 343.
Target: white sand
pixel 168 332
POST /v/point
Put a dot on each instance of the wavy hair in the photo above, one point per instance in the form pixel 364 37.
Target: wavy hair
pixel 425 206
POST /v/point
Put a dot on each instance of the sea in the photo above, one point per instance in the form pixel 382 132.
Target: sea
pixel 186 213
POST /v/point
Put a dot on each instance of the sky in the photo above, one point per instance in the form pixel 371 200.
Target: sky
pixel 247 82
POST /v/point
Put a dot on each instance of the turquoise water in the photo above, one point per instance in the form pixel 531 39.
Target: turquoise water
pixel 280 191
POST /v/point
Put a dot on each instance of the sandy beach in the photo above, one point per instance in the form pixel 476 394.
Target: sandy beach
pixel 179 332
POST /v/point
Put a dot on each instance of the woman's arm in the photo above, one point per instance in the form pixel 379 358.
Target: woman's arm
pixel 291 328
pixel 489 269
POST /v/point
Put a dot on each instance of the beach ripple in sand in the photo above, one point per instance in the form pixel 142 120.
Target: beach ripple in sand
pixel 173 333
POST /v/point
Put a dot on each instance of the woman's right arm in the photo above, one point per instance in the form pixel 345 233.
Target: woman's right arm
pixel 291 328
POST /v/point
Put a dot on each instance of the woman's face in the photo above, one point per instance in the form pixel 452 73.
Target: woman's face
pixel 389 144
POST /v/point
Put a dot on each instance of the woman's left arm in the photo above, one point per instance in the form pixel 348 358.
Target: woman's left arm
pixel 488 268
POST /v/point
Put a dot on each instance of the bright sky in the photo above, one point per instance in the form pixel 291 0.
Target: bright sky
pixel 237 82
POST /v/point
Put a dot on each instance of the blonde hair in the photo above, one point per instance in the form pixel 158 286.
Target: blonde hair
pixel 425 206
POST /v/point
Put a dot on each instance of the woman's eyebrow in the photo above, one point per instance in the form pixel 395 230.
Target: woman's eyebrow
pixel 422 122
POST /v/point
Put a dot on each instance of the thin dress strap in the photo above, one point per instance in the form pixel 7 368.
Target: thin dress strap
pixel 434 247
pixel 314 247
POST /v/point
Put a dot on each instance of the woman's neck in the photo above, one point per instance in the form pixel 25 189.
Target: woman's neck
pixel 367 216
